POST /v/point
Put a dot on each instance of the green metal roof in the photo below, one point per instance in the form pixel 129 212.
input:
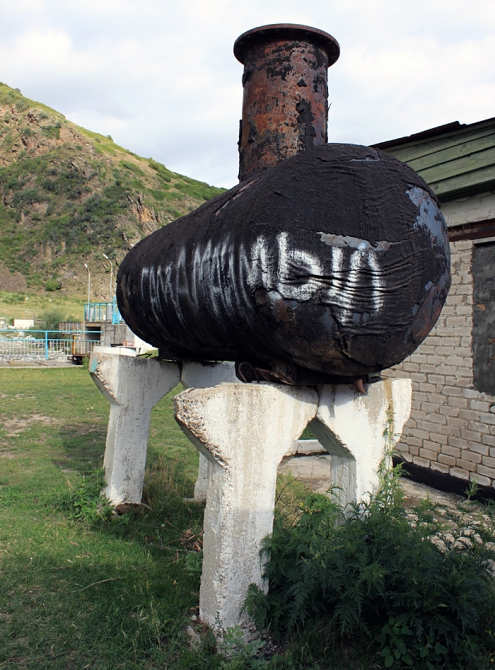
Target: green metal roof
pixel 455 160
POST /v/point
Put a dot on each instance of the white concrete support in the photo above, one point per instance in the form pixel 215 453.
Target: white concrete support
pixel 357 429
pixel 204 375
pixel 201 375
pixel 244 430
pixel 133 386
pixel 201 485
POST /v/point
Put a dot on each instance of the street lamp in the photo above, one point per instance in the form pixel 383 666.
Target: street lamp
pixel 89 284
pixel 111 278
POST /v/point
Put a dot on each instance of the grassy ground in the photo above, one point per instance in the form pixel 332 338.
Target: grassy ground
pixel 79 595
pixel 31 305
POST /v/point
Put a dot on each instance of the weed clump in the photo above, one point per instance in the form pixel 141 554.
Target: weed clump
pixel 414 585
pixel 84 502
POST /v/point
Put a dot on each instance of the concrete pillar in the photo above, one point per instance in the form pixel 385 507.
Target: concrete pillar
pixel 203 375
pixel 243 430
pixel 201 485
pixel 356 430
pixel 132 386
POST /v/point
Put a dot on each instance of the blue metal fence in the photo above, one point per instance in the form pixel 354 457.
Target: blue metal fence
pixel 102 312
pixel 46 344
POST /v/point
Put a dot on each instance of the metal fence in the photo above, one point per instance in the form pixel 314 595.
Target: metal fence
pixel 102 312
pixel 46 344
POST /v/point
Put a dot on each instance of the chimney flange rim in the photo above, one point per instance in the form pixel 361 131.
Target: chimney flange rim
pixel 287 31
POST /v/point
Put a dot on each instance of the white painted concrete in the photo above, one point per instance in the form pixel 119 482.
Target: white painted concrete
pixel 23 323
pixel 201 485
pixel 130 412
pixel 243 430
pixel 469 210
pixel 200 375
pixel 132 386
pixel 142 347
pixel 351 428
pixel 115 351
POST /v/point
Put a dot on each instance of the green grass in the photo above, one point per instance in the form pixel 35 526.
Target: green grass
pixel 20 305
pixel 53 613
pixel 117 592
pixel 82 588
pixel 10 95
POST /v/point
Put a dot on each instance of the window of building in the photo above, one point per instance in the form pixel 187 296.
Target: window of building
pixel 483 269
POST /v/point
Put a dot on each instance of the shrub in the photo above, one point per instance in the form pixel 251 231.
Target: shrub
pixel 133 168
pixel 161 170
pixel 52 285
pixel 418 584
pixel 51 318
pixel 27 197
pixel 238 654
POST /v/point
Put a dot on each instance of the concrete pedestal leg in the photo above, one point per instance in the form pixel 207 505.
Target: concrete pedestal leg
pixel 244 430
pixel 133 386
pixel 199 375
pixel 201 485
pixel 351 427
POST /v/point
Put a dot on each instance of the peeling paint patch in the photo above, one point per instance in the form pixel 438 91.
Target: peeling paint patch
pixel 429 215
pixel 353 242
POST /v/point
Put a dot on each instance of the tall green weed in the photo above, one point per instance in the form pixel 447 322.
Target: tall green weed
pixel 85 502
pixel 417 584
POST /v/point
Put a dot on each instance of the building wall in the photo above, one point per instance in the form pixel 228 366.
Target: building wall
pixel 452 425
pixel 23 323
pixel 469 210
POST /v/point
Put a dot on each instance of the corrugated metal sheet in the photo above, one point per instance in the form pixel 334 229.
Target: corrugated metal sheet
pixel 455 159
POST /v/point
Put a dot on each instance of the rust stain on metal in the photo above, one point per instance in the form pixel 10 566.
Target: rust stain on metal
pixel 285 93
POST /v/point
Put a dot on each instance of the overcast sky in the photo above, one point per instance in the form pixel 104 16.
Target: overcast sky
pixel 161 78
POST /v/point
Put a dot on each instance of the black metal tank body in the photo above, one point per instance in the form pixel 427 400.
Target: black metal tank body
pixel 335 260
pixel 327 261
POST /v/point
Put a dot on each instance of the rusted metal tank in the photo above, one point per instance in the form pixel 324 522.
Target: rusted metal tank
pixel 326 265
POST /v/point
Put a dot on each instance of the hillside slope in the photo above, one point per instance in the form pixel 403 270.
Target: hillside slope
pixel 68 196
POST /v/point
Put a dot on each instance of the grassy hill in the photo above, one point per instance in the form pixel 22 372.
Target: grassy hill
pixel 68 196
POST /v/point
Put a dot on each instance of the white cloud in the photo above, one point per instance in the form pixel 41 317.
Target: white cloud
pixel 160 77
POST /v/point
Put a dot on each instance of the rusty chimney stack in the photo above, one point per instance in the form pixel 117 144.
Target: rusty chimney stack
pixel 285 108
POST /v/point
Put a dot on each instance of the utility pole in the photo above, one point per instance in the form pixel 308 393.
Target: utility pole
pixel 110 297
pixel 89 290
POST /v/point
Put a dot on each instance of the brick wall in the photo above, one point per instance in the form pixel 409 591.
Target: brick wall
pixel 452 426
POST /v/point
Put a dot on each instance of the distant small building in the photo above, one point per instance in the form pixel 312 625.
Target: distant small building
pixel 451 432
pixel 112 330
pixel 23 323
